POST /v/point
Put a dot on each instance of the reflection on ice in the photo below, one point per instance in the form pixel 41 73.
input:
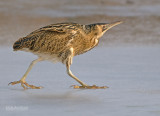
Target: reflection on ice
pixel 70 96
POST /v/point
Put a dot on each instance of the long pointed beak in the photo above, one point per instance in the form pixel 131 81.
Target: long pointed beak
pixel 108 26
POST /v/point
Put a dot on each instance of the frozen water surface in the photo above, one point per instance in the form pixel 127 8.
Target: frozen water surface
pixel 132 74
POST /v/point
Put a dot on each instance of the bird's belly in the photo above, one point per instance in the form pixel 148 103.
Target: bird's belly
pixel 45 56
pixel 49 57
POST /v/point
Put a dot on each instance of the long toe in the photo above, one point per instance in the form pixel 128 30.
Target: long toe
pixel 24 85
pixel 17 82
pixel 14 82
pixel 32 86
pixel 89 87
pixel 96 87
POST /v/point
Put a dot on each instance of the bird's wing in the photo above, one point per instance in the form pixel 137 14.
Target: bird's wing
pixel 60 28
pixel 53 36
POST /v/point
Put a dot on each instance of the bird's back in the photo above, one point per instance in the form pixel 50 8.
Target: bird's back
pixel 54 39
pixel 47 35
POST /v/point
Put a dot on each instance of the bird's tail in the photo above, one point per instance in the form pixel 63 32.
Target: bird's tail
pixel 19 44
pixel 25 42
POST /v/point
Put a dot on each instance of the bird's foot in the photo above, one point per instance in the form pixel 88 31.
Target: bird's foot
pixel 24 84
pixel 89 87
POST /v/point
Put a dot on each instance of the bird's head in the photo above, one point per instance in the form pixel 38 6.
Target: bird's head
pixel 99 29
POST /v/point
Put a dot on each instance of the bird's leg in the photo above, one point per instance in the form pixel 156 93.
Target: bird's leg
pixel 68 62
pixel 22 80
pixel 84 86
pixel 74 77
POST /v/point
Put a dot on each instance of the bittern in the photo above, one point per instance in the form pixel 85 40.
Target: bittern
pixel 61 42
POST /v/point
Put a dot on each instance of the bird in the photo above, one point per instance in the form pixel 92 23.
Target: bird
pixel 60 42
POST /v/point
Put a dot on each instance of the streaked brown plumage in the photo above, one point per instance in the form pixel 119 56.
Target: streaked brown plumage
pixel 61 42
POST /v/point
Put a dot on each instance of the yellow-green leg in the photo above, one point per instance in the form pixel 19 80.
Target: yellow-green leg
pixel 22 80
pixel 83 85
pixel 74 77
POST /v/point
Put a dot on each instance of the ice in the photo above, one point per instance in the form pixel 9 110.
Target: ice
pixel 131 72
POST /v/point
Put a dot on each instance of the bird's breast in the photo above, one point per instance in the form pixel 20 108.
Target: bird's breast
pixel 91 45
pixel 85 46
